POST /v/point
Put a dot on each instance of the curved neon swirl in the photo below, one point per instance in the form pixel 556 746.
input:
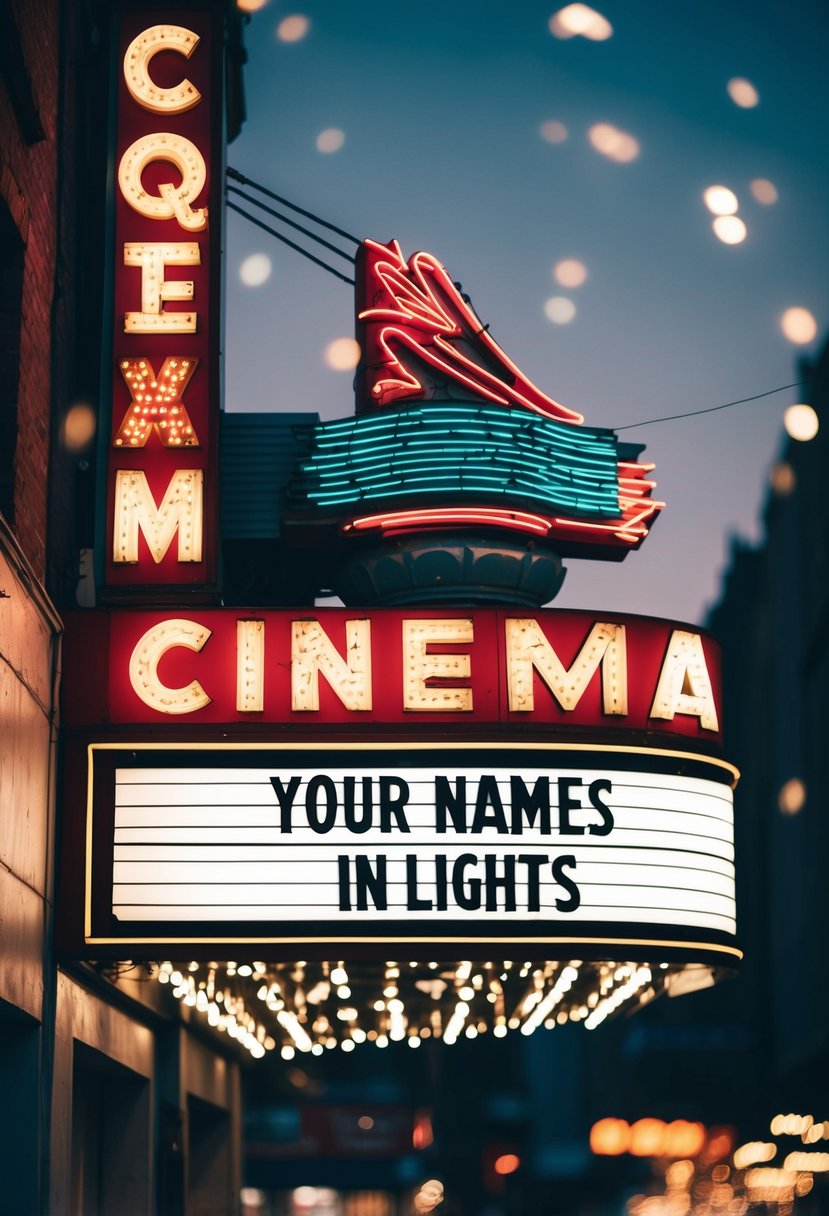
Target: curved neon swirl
pixel 629 532
pixel 423 311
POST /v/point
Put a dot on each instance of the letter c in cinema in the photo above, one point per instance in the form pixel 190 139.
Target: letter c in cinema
pixel 148 653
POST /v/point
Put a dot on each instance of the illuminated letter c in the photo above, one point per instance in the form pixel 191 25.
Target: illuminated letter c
pixel 137 75
pixel 146 657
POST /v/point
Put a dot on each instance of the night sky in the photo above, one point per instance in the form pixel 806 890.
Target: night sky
pixel 436 115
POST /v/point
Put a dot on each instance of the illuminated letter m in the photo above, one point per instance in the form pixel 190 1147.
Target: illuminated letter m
pixel 180 511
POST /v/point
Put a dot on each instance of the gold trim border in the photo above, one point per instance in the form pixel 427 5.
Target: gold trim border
pixel 322 745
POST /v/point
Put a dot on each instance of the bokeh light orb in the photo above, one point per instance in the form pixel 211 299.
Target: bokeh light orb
pixel 720 200
pixel 580 20
pixel 250 6
pixel 764 191
pixel 743 93
pixel 730 229
pixel 552 131
pixel 330 140
pixel 559 310
pixel 255 270
pixel 799 326
pixel 293 28
pixel 79 426
pixel 792 797
pixel 342 355
pixel 610 1137
pixel 646 1137
pixel 614 144
pixel 570 272
pixel 783 479
pixel 801 422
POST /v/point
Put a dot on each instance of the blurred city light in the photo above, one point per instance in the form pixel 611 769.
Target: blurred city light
pixel 755 1152
pixel 763 190
pixel 743 93
pixel 580 19
pixel 614 144
pixel 330 140
pixel 255 270
pixel 251 6
pixel 730 229
pixel 293 28
pixel 720 200
pixel 570 272
pixel 798 325
pixel 508 1163
pixel 648 1138
pixel 428 1197
pixel 801 422
pixel 610 1137
pixel 553 131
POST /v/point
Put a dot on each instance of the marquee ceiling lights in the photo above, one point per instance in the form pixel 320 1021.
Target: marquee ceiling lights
pixel 315 1007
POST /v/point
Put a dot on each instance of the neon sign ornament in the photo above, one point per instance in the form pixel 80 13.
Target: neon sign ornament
pixel 450 436
pixel 418 312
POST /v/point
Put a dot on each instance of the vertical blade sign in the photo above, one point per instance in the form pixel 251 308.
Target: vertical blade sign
pixel 165 373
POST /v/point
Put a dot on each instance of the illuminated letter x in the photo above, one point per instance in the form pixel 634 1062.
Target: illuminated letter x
pixel 157 402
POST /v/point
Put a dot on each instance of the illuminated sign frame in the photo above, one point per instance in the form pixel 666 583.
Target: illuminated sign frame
pixel 159 534
pixel 562 673
pixel 371 937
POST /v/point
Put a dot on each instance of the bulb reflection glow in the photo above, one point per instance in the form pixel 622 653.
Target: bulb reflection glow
pixel 783 479
pixel 743 93
pixel 764 191
pixel 730 229
pixel 330 140
pixel 798 325
pixel 580 20
pixel 342 355
pixel 801 422
pixel 553 132
pixel 255 270
pixel 570 272
pixel 720 200
pixel 293 28
pixel 614 144
pixel 559 310
pixel 79 426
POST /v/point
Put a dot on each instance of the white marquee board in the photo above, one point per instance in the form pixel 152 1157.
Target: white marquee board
pixel 495 840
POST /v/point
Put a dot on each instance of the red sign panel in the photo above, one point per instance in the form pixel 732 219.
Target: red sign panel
pixel 165 389
pixel 598 674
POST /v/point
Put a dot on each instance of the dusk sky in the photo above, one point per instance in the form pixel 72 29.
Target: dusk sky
pixel 473 131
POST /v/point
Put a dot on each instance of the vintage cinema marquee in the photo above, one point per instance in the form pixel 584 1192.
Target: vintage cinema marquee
pixel 442 809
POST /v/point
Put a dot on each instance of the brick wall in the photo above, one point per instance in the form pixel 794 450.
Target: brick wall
pixel 28 170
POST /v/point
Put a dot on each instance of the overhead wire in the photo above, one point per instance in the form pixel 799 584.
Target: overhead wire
pixel 235 175
pixel 712 409
pixel 284 219
pixel 291 244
